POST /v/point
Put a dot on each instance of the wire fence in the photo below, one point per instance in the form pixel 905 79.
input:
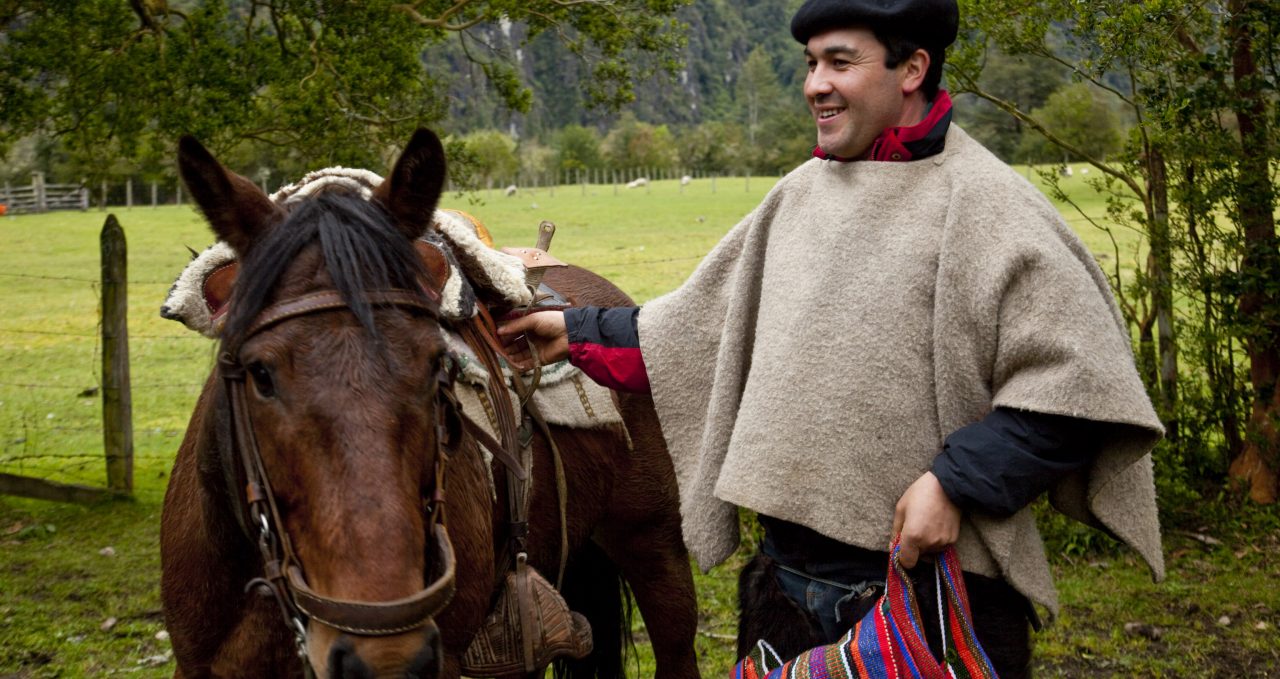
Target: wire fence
pixel 58 389
pixel 52 386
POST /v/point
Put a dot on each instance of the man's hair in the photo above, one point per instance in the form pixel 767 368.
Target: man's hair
pixel 898 49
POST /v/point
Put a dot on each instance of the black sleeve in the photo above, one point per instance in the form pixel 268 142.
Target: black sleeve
pixel 613 327
pixel 1000 464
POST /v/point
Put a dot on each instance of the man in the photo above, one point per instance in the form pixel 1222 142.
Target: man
pixel 904 338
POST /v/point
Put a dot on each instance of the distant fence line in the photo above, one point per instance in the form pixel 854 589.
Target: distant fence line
pixel 41 196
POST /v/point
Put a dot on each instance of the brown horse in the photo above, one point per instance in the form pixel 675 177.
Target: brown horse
pixel 330 368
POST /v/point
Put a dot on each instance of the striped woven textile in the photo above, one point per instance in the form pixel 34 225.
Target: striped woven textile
pixel 888 643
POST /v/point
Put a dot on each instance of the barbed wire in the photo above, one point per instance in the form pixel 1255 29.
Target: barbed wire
pixel 647 261
pixel 48 332
pixel 92 281
pixel 132 335
pixel 50 278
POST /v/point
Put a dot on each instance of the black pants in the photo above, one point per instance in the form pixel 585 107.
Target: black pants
pixel 795 612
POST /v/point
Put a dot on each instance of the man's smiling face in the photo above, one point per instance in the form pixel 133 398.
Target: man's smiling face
pixel 852 95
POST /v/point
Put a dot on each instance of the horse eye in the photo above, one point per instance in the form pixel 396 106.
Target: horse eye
pixel 261 379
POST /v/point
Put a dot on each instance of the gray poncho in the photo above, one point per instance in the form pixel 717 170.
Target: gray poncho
pixel 812 365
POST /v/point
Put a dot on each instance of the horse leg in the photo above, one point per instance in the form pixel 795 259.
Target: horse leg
pixel 642 535
pixel 662 584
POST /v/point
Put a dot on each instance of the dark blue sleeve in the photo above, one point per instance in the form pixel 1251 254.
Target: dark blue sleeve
pixel 605 345
pixel 1001 463
pixel 613 327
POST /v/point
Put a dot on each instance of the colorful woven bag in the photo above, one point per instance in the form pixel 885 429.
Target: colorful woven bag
pixel 889 643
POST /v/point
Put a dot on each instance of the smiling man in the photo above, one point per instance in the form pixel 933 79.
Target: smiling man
pixel 903 339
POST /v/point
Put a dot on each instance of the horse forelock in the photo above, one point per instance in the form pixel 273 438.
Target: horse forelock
pixel 361 251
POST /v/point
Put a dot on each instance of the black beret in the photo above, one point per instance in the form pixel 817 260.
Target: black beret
pixel 931 23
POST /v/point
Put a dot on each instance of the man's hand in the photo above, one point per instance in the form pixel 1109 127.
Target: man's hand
pixel 544 330
pixel 926 519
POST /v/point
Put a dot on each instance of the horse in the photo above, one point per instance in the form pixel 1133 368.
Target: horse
pixel 322 475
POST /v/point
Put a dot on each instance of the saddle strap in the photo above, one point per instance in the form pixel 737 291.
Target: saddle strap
pixel 480 339
pixel 562 491
pixel 514 466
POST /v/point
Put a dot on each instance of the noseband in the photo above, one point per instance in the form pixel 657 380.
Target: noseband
pixel 282 572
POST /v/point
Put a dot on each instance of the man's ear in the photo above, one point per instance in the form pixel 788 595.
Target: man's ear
pixel 914 70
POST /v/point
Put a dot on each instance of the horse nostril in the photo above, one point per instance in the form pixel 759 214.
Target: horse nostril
pixel 428 664
pixel 345 664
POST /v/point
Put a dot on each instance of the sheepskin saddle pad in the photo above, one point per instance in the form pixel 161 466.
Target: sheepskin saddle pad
pixel 198 300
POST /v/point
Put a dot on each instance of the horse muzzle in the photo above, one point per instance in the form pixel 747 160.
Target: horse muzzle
pixel 375 658
pixel 368 639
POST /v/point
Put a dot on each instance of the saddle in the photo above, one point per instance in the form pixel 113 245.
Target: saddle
pixel 531 624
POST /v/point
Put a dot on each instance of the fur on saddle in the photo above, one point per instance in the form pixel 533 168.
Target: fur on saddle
pixel 563 395
pixel 460 238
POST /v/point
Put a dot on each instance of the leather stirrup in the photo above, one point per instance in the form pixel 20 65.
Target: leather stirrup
pixel 529 603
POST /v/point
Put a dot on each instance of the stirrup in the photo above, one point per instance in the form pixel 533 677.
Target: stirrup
pixel 530 626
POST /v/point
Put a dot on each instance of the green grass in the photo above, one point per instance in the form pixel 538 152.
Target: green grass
pixel 57 590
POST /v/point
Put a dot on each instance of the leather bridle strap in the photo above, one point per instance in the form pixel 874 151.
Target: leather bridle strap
pixel 383 617
pixel 282 573
pixel 330 300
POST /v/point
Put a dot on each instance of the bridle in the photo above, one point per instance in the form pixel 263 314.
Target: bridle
pixel 282 575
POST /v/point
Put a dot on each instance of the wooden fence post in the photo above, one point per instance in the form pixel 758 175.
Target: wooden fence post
pixel 153 193
pixel 178 201
pixel 128 193
pixel 117 400
pixel 37 183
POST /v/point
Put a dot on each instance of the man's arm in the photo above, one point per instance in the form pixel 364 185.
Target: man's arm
pixel 1001 463
pixel 602 342
pixel 998 466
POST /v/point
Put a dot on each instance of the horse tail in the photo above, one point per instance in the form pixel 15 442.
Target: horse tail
pixel 594 587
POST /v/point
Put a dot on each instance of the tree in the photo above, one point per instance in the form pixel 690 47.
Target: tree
pixel 577 148
pixel 494 156
pixel 1024 81
pixel 1078 118
pixel 333 81
pixel 712 147
pixel 537 160
pixel 636 145
pixel 1200 167
pixel 758 91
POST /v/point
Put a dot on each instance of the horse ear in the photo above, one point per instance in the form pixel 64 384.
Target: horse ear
pixel 411 191
pixel 236 209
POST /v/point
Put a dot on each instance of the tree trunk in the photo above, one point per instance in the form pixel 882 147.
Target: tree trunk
pixel 1256 466
pixel 1146 358
pixel 1161 265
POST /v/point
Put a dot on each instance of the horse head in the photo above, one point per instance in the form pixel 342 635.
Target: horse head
pixel 332 360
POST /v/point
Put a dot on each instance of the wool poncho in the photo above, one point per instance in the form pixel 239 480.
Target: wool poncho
pixel 812 365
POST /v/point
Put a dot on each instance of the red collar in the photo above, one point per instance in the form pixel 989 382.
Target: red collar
pixel 901 144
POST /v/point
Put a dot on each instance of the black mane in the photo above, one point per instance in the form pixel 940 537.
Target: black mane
pixel 362 251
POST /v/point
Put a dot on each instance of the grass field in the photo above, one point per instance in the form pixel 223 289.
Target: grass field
pixel 79 586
